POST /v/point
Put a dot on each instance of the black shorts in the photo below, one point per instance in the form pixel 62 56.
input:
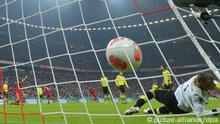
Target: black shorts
pixel 168 87
pixel 5 94
pixel 167 97
pixel 41 96
pixel 105 90
pixel 122 89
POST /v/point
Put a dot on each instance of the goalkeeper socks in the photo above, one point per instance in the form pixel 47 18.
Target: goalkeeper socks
pixel 139 103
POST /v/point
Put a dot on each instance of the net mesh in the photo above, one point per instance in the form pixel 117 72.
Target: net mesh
pixel 61 44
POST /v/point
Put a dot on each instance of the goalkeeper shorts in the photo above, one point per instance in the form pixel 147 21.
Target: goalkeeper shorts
pixel 167 97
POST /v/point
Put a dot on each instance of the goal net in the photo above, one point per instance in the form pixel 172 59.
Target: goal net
pixel 61 45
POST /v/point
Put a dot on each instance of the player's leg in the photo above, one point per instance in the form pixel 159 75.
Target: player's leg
pixel 21 98
pixel 160 110
pixel 5 97
pixel 105 89
pixel 96 99
pixel 166 97
pixel 40 98
pixel 108 96
pixel 122 95
pixel 140 102
pixel 54 99
pixel 162 96
pixel 48 99
pixel 16 101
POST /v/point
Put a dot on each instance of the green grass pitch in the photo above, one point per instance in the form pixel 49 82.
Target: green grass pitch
pixel 76 114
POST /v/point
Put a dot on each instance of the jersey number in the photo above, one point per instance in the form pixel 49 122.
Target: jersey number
pixel 186 87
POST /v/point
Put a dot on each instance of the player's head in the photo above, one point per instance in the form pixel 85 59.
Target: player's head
pixel 6 82
pixel 205 81
pixel 163 67
pixel 120 73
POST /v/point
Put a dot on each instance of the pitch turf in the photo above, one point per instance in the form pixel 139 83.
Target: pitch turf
pixel 76 114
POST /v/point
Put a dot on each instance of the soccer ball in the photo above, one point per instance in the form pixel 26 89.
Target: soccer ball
pixel 122 53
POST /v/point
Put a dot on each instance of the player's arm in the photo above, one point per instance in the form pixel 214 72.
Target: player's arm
pixel 116 81
pixel 23 80
pixel 217 85
pixel 101 81
pixel 199 105
pixel 163 78
pixel 125 82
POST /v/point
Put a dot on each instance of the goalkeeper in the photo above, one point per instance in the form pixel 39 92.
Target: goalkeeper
pixel 193 92
pixel 121 83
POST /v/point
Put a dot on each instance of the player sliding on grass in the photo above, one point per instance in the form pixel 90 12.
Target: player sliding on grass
pixel 20 96
pixel 195 91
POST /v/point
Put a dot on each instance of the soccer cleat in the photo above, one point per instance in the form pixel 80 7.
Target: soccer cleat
pixel 146 111
pixel 132 110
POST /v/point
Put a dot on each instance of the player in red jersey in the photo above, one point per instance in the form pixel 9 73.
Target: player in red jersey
pixel 49 94
pixel 93 94
pixel 20 96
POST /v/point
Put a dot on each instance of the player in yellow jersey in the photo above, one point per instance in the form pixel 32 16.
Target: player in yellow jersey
pixel 217 86
pixel 40 92
pixel 154 86
pixel 5 90
pixel 121 83
pixel 104 85
pixel 167 82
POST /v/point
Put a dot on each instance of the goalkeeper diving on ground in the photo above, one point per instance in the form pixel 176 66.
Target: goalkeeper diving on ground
pixel 188 97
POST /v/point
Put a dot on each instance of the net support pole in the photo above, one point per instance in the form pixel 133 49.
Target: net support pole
pixel 194 40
